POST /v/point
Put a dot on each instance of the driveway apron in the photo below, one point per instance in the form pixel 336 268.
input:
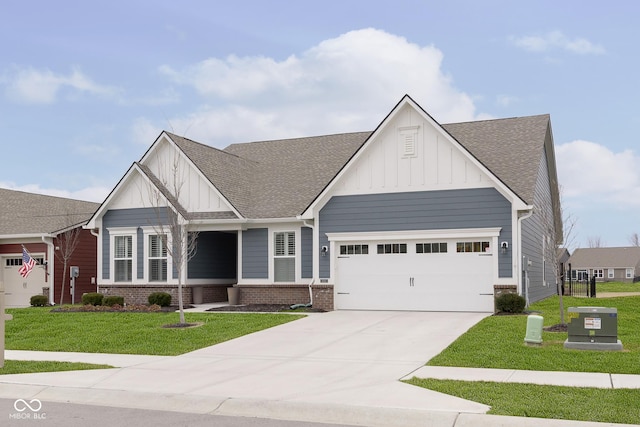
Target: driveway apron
pixel 340 357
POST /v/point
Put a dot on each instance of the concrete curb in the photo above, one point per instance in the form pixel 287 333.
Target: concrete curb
pixel 282 410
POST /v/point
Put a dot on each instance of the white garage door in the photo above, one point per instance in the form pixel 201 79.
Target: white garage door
pixel 442 275
pixel 18 290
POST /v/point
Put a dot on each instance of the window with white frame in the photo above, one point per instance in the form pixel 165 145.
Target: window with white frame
pixel 157 258
pixel 284 256
pixel 598 272
pixel 123 258
pixel 610 273
pixel 629 273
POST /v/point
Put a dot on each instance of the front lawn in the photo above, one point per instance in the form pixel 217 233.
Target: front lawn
pixel 129 333
pixel 32 366
pixel 529 400
pixel 498 342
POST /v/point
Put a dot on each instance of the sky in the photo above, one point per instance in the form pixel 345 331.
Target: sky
pixel 86 87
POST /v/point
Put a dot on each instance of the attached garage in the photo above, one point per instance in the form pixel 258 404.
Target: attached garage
pixel 428 273
pixel 19 290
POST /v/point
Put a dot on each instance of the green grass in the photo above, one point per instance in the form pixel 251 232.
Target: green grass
pixel 498 342
pixel 31 366
pixel 129 333
pixel 617 287
pixel 528 400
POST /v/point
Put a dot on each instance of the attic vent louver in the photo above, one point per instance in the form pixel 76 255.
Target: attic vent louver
pixel 408 137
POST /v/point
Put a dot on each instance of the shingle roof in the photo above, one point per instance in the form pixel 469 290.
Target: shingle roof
pixel 27 213
pixel 622 257
pixel 251 176
pixel 511 148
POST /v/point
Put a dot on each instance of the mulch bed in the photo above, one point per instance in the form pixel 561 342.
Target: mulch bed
pixel 266 308
pixel 556 328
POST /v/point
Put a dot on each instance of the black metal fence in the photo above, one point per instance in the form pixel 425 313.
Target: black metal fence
pixel 579 284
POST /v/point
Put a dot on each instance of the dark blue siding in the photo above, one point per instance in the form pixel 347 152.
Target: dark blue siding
pixel 255 253
pixel 426 210
pixel 138 217
pixel 306 252
pixel 216 256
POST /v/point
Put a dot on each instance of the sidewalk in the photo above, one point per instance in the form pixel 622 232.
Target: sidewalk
pixel 338 367
pixel 556 378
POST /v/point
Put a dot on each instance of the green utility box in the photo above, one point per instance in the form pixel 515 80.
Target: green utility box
pixel 534 330
pixel 593 328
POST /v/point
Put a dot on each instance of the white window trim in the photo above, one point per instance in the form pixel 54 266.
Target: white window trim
pixel 285 227
pixel 149 231
pixel 629 273
pixel 611 273
pixel 123 231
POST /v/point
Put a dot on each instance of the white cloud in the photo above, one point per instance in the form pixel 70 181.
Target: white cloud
pixel 144 132
pixel 506 100
pixel 32 86
pixel 91 194
pixel 557 40
pixel 343 84
pixel 592 173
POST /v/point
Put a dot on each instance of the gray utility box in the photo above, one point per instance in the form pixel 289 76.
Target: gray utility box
pixel 593 328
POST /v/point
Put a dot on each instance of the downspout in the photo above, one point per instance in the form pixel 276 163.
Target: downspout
pixel 313 230
pixel 50 262
pixel 524 287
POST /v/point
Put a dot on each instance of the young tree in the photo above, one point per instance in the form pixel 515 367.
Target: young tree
pixel 171 222
pixel 66 244
pixel 634 239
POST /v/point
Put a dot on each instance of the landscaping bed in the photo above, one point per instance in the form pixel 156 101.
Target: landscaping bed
pixel 266 308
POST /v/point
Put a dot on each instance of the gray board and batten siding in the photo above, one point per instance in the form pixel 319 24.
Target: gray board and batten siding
pixel 424 210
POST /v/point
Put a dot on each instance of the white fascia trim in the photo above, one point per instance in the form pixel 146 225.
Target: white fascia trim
pixel 24 236
pixel 416 234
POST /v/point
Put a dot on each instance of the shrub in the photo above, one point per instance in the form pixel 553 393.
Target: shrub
pixel 92 298
pixel 38 301
pixel 162 299
pixel 510 303
pixel 112 300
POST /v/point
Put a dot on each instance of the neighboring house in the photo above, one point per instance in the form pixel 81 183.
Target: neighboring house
pixel 412 216
pixel 607 264
pixel 34 221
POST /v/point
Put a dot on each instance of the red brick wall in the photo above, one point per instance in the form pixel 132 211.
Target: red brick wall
pixel 85 257
pixel 287 294
pixel 134 294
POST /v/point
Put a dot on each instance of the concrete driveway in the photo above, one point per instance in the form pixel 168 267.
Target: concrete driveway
pixel 341 358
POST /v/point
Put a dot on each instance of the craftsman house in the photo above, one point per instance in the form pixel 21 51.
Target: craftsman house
pixel 621 264
pixel 412 216
pixel 37 223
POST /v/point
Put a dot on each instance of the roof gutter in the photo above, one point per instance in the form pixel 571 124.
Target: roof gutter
pixel 523 287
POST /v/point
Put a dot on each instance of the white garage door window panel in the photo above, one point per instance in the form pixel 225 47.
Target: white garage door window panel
pixel 449 281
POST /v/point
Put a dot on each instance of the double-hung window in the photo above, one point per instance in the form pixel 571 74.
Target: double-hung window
pixel 123 258
pixel 157 258
pixel 284 259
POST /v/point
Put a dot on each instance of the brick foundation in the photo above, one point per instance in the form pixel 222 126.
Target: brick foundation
pixel 135 294
pixel 287 294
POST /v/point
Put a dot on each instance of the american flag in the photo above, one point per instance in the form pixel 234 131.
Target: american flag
pixel 27 264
